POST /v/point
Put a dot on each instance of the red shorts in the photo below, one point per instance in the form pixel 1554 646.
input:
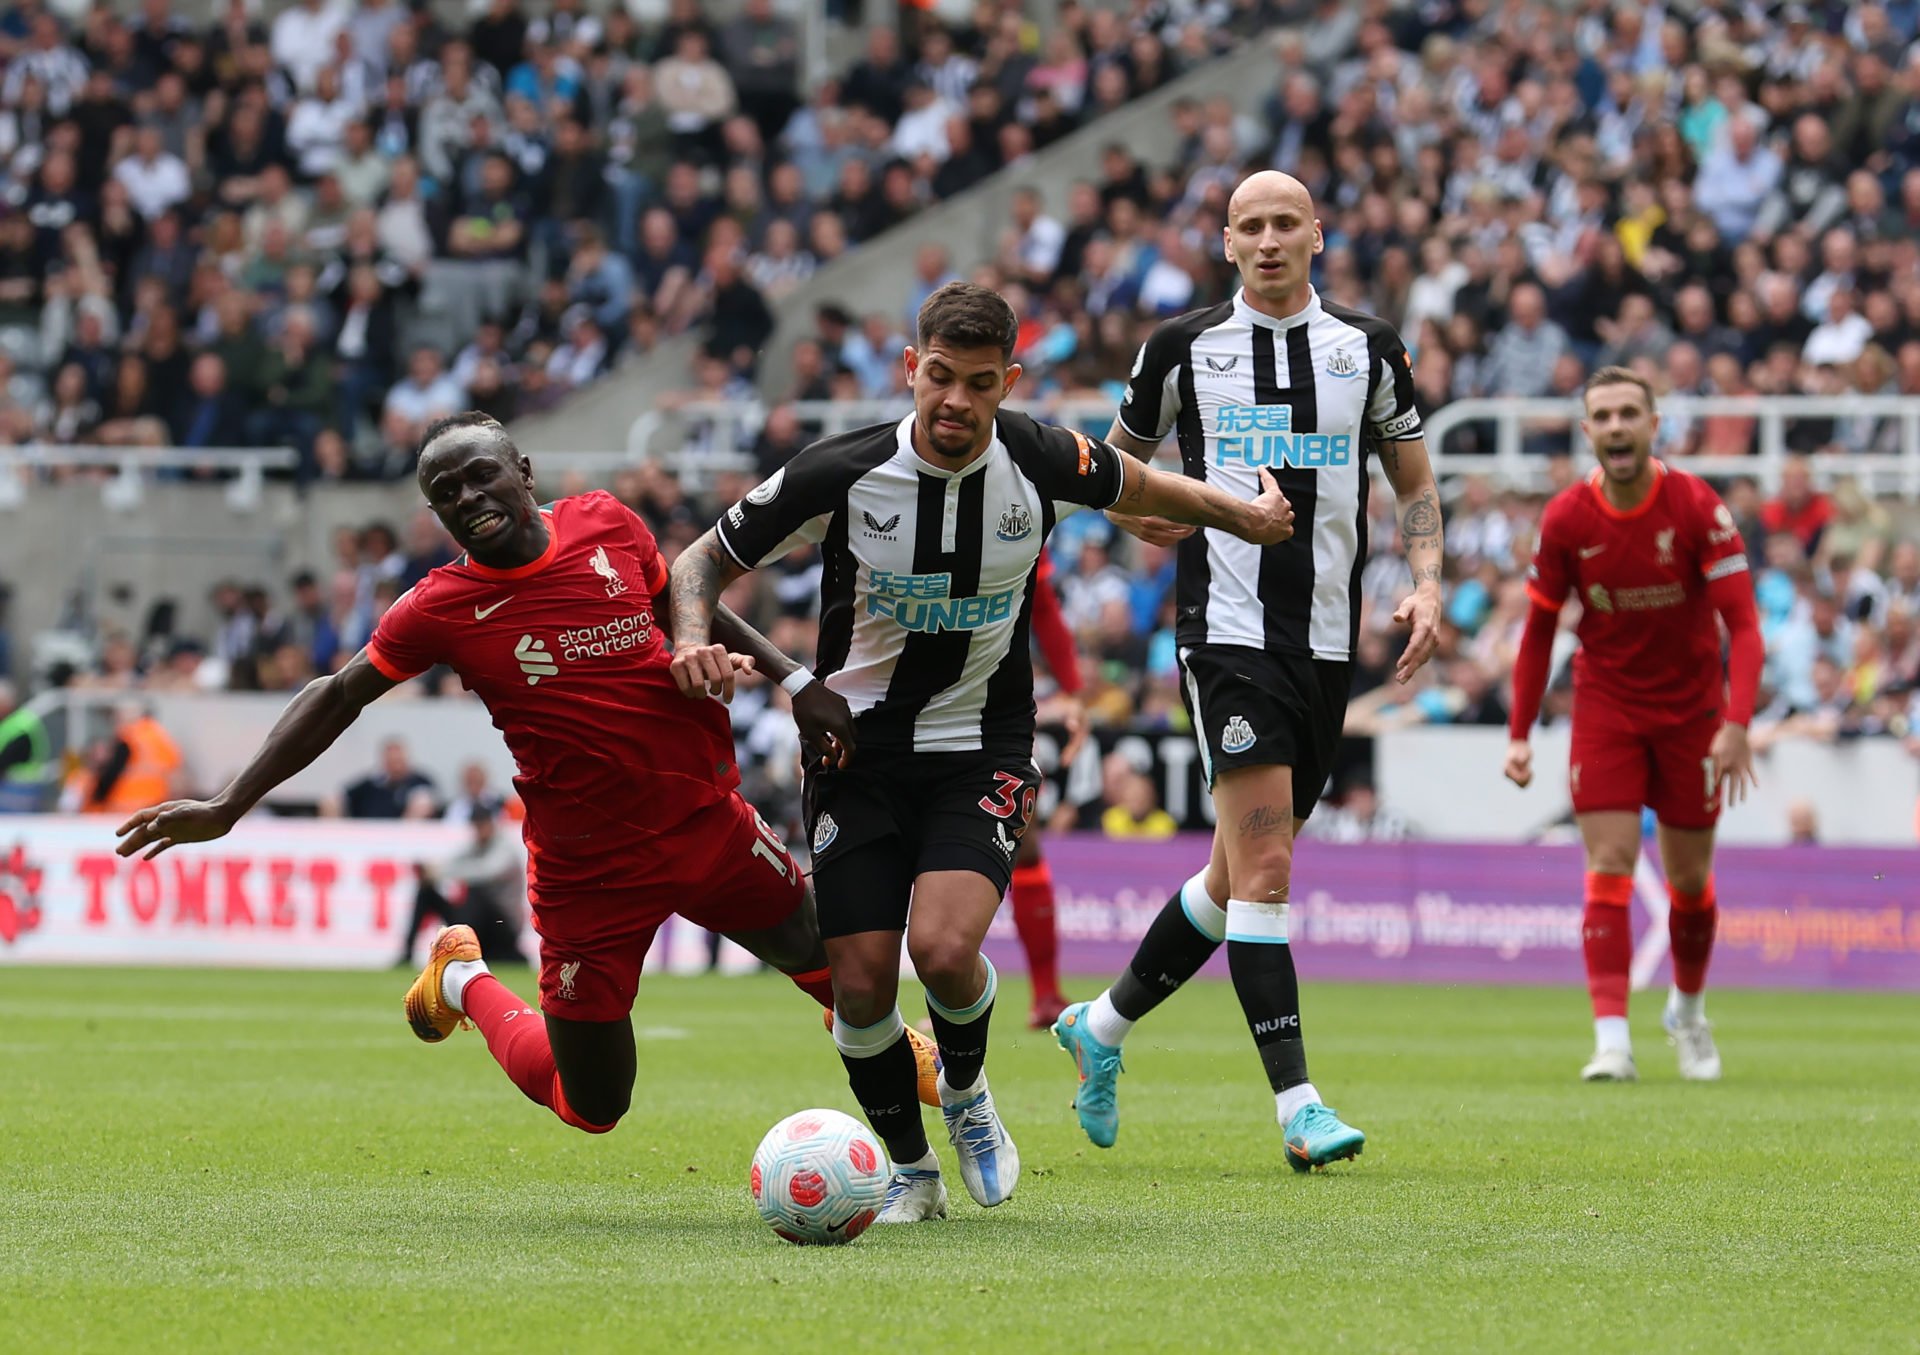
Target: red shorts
pixel 1667 768
pixel 735 875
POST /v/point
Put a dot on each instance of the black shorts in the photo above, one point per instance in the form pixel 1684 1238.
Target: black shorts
pixel 1262 708
pixel 892 817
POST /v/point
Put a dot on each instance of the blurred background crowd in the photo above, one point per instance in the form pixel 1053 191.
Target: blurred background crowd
pixel 324 230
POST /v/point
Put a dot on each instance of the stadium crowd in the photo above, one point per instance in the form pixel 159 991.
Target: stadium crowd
pixel 323 231
pixel 1724 196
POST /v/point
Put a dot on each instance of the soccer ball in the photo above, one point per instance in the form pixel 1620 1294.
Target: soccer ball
pixel 819 1178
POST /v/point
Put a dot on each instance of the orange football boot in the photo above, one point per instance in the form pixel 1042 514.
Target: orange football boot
pixel 427 1010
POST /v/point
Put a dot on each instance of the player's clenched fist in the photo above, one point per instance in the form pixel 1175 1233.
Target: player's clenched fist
pixel 1273 522
pixel 1519 767
pixel 707 670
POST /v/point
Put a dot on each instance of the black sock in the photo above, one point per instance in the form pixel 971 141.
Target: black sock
pixel 1269 993
pixel 1170 953
pixel 886 1083
pixel 962 1035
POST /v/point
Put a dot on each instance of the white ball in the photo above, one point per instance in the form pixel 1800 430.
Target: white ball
pixel 819 1178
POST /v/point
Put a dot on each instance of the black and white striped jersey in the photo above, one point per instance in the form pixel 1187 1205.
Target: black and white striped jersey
pixel 1307 397
pixel 928 574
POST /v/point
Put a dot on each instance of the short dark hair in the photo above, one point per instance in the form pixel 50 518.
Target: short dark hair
pixel 471 418
pixel 969 316
pixel 1616 376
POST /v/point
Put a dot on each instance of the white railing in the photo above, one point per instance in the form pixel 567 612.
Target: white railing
pixel 699 439
pixel 130 468
pixel 1512 420
pixel 715 436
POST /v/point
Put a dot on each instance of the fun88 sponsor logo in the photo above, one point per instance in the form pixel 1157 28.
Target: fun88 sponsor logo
pixel 920 602
pixel 1262 435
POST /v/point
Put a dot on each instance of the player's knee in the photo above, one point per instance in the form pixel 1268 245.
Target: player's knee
pixel 942 961
pixel 862 999
pixel 1689 881
pixel 594 1109
pixel 1266 876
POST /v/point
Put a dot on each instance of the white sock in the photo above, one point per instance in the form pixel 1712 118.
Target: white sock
pixel 1686 1009
pixel 1610 1034
pixel 1288 1102
pixel 952 1095
pixel 455 978
pixel 927 1163
pixel 1104 1023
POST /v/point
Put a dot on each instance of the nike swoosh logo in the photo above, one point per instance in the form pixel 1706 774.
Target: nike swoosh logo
pixel 1589 552
pixel 482 613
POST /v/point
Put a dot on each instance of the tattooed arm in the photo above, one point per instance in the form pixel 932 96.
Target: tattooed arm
pixel 698 578
pixel 1148 493
pixel 1153 530
pixel 703 572
pixel 1411 475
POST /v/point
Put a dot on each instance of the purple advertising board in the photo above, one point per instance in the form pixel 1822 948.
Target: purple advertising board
pixel 1428 912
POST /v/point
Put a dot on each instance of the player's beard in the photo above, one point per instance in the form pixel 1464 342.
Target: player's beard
pixel 1626 471
pixel 949 442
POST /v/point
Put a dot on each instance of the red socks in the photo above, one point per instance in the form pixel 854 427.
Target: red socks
pixel 816 984
pixel 517 1039
pixel 1690 924
pixel 1033 920
pixel 1607 931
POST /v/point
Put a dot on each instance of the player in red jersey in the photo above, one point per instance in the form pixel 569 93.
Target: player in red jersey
pixel 556 617
pixel 1032 892
pixel 1652 555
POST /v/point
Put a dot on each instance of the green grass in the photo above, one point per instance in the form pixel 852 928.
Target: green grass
pixel 255 1161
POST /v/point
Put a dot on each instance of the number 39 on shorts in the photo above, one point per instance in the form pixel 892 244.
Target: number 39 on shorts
pixel 1000 802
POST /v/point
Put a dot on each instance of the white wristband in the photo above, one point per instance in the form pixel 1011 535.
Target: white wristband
pixel 794 682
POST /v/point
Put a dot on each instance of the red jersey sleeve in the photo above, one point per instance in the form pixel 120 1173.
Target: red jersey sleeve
pixel 406 642
pixel 1722 556
pixel 1050 630
pixel 1718 546
pixel 653 566
pixel 1549 579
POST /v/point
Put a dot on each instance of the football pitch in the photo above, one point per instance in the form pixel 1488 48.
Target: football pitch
pixel 256 1161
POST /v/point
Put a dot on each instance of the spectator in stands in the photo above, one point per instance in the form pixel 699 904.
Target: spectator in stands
pixel 143 765
pixel 210 414
pixel 477 798
pixel 394 791
pixel 1357 816
pixel 26 755
pixel 488 877
pixel 1133 806
pixel 1798 509
pixel 426 394
pixel 696 93
pixel 1522 357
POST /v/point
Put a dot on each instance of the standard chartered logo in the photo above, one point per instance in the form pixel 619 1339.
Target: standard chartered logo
pixel 1262 435
pixel 537 658
pixel 921 602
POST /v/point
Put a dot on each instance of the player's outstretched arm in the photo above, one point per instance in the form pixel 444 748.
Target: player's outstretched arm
pixel 1266 520
pixel 1153 530
pixel 1410 472
pixel 698 578
pixel 305 730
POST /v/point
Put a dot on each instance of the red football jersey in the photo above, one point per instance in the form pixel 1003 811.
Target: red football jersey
pixel 1649 636
pixel 571 664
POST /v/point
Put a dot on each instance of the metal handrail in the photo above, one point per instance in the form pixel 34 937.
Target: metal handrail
pixel 1880 472
pixel 132 465
pixel 733 425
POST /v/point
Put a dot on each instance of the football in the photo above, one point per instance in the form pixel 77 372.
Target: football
pixel 819 1178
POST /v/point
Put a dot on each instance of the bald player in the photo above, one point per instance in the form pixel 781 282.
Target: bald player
pixel 1273 379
